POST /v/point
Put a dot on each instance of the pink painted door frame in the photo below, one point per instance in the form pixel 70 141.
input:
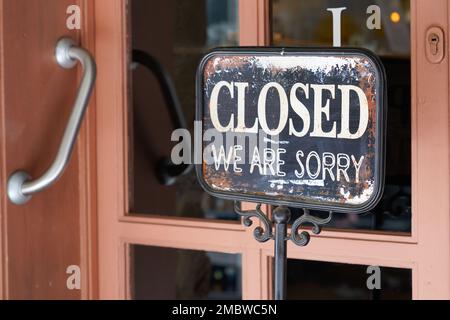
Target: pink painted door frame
pixel 426 251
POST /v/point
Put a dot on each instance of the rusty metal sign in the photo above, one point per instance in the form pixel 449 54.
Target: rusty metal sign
pixel 297 127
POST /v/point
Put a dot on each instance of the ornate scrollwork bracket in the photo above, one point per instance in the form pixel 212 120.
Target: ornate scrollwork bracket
pixel 262 234
pixel 302 238
pixel 265 233
pixel 277 230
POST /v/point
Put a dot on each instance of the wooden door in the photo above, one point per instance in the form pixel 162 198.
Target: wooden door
pixel 121 229
pixel 50 235
pixel 87 219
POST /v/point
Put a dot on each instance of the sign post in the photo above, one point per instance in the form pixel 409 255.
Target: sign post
pixel 281 217
pixel 298 128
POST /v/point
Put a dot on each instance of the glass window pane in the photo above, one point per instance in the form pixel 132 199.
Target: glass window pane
pixel 176 34
pixel 384 28
pixel 326 280
pixel 176 274
pixel 380 26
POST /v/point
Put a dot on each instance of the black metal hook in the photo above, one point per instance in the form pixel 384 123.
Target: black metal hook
pixel 166 171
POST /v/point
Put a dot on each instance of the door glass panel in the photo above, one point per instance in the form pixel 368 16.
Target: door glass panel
pixel 326 280
pixel 384 28
pixel 175 34
pixel 176 274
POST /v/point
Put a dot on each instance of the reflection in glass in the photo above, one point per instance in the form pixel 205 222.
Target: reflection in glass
pixel 160 273
pixel 384 28
pixel 380 26
pixel 176 34
pixel 325 280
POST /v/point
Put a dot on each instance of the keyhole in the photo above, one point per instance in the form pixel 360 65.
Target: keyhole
pixel 435 45
pixel 434 41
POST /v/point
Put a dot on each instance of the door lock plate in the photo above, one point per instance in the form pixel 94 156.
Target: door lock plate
pixel 435 45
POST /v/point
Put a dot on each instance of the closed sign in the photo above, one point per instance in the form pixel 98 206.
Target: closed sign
pixel 288 127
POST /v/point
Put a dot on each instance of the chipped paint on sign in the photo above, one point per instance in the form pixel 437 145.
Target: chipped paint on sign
pixel 317 119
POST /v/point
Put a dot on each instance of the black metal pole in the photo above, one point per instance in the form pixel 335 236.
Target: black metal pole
pixel 281 217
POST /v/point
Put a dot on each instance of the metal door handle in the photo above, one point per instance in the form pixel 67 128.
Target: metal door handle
pixel 20 185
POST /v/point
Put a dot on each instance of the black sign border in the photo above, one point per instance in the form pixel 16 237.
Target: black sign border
pixel 286 51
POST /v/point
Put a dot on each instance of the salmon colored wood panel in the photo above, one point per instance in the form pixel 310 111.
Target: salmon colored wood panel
pixel 88 172
pixel 110 42
pixel 254 29
pixel 431 143
pixel 321 249
pixel 42 238
pixel 251 274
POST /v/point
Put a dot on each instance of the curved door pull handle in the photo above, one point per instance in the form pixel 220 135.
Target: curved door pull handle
pixel 20 185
